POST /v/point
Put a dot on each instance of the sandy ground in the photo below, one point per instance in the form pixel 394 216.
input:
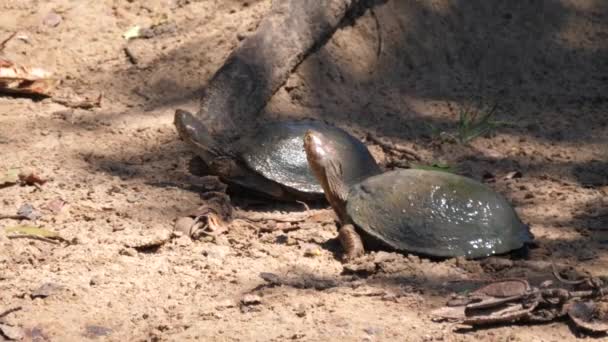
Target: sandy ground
pixel 124 175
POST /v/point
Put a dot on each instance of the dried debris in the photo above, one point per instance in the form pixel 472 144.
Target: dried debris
pixel 52 19
pixel 392 147
pixel 20 79
pixel 9 177
pixel 210 219
pixel 46 290
pixel 11 333
pixel 55 206
pixel 31 178
pixel 17 176
pixel 33 232
pixel 251 299
pixel 300 282
pixel 71 99
pixel 8 331
pixel 515 300
pixel 95 331
pixel 28 211
pixel 151 241
pixel 589 315
pixel 9 311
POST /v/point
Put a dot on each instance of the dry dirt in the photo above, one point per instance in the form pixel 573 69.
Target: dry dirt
pixel 124 174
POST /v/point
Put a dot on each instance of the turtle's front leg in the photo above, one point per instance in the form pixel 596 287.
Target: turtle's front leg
pixel 351 242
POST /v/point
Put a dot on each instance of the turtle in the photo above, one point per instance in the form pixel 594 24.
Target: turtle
pixel 426 212
pixel 270 160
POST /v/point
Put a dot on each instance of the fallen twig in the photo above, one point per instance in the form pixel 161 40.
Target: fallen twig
pixel 278 217
pixel 391 146
pixel 13 217
pixel 562 280
pixel 9 311
pixel 304 204
pixel 41 238
pixel 79 102
pixel 3 43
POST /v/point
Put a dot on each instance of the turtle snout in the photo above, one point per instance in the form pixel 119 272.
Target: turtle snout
pixel 315 146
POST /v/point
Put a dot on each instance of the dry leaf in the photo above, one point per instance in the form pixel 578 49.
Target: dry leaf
pixel 10 177
pixel 589 315
pixel 34 231
pixel 30 178
pixel 131 33
pixel 25 80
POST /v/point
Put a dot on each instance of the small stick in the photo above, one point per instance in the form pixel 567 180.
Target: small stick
pixel 3 43
pixel 9 311
pixel 305 205
pixel 259 228
pixel 393 146
pixel 561 279
pixel 262 217
pixel 13 217
pixel 41 238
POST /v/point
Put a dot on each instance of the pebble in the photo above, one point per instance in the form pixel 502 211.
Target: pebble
pixel 251 299
pixel 12 333
pixel 52 19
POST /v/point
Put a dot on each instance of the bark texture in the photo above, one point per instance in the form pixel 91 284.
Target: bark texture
pixel 264 61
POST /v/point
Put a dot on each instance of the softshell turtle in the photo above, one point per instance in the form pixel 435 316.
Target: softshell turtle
pixel 271 160
pixel 431 213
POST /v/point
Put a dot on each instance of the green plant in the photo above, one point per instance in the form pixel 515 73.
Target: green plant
pixel 475 123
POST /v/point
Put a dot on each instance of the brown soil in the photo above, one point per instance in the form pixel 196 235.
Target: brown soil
pixel 124 174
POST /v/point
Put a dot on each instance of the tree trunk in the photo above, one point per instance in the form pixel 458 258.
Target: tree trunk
pixel 264 61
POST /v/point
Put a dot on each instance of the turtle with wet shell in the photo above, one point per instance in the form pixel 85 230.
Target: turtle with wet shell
pixel 425 212
pixel 269 159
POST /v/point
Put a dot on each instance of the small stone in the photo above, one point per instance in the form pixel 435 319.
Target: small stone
pixel 372 331
pixel 212 251
pixel 251 299
pixel 94 281
pixel 513 174
pixel 128 251
pixel 182 240
pixel 45 290
pixel 184 225
pixel 93 331
pixel 312 252
pixel 132 199
pixel 301 310
pixel 28 211
pixel 52 19
pixel 11 333
pixel 152 239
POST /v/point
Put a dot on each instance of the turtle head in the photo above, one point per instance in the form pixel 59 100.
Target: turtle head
pixel 196 135
pixel 323 157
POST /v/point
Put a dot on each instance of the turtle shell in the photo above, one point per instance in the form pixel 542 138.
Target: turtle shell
pixel 435 213
pixel 276 151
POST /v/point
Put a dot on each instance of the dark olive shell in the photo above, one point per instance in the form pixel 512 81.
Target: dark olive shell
pixel 276 151
pixel 435 214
